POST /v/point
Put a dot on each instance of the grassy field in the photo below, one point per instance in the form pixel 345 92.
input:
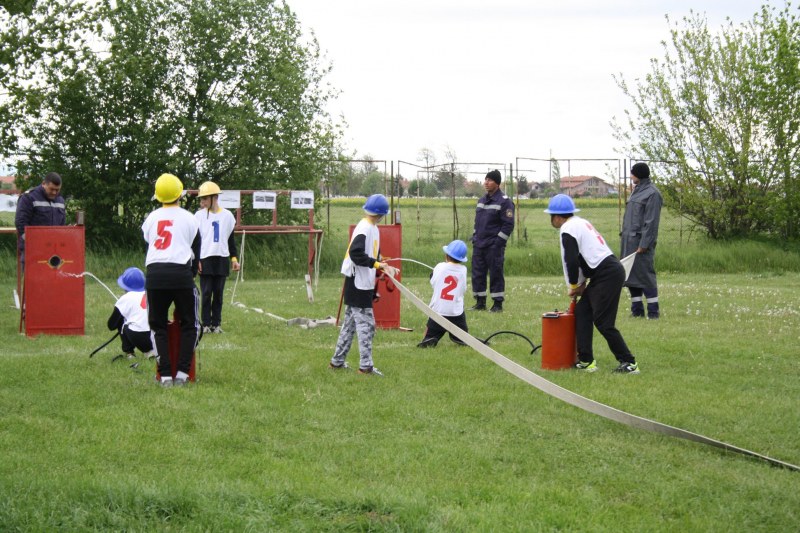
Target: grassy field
pixel 270 439
pixel 532 250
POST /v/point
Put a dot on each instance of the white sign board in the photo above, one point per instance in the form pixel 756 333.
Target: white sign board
pixel 230 199
pixel 302 199
pixel 264 200
pixel 8 202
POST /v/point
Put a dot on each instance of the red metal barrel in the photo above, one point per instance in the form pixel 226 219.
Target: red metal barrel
pixel 559 345
pixel 174 340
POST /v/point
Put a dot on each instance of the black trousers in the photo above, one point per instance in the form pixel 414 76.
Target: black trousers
pixel 489 261
pixel 212 288
pixel 435 331
pixel 186 304
pixel 598 307
pixel 135 339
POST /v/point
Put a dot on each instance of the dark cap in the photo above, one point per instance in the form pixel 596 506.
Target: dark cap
pixel 495 176
pixel 641 171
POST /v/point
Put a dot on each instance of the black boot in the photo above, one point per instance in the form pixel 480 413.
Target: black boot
pixel 497 307
pixel 480 304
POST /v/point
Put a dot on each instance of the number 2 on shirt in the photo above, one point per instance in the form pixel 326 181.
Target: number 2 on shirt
pixel 451 284
pixel 164 235
pixel 599 237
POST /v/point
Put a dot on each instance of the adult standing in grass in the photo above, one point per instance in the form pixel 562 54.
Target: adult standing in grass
pixel 586 257
pixel 40 206
pixel 173 252
pixel 640 235
pixel 217 254
pixel 494 222
pixel 361 261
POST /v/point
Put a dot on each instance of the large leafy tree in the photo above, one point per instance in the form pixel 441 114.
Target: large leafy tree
pixel 718 115
pixel 113 93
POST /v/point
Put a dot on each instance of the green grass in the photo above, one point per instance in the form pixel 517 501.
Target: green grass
pixel 533 249
pixel 269 439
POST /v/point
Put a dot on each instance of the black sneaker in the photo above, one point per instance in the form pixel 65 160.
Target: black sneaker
pixel 627 368
pixel 586 367
pixel 430 342
pixel 497 307
pixel 343 366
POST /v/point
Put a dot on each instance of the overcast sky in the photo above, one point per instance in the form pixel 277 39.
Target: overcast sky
pixel 492 81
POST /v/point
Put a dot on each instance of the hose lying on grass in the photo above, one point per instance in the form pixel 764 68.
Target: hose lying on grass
pixel 572 398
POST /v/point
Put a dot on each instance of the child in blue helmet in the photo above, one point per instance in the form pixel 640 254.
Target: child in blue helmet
pixel 587 258
pixel 449 282
pixel 130 314
pixel 361 261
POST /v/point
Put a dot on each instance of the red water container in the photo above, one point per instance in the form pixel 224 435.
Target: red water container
pixel 174 343
pixel 559 344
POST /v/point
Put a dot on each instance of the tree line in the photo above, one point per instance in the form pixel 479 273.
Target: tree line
pixel 111 94
pixel 718 118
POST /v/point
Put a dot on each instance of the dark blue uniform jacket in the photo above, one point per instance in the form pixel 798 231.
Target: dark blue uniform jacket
pixel 494 220
pixel 34 208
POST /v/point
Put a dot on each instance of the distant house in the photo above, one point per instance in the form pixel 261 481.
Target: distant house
pixel 586 186
pixel 7 182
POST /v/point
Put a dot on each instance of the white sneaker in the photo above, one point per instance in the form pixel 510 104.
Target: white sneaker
pixel 371 371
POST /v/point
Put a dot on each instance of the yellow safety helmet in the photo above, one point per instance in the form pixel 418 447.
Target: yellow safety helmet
pixel 208 188
pixel 168 188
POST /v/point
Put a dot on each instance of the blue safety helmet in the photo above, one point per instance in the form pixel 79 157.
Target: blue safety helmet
pixel 377 204
pixel 561 204
pixel 131 280
pixel 457 250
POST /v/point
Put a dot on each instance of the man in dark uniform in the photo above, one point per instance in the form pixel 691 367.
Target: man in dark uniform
pixel 494 222
pixel 639 235
pixel 40 206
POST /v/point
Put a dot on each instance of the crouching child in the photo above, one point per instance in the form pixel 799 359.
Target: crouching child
pixel 130 315
pixel 449 282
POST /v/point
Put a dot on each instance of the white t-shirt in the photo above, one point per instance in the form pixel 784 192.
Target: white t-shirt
pixel 591 245
pixel 364 276
pixel 133 307
pixel 215 230
pixel 169 232
pixel 449 282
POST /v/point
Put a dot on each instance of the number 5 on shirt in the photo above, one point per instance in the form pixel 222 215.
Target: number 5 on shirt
pixel 164 235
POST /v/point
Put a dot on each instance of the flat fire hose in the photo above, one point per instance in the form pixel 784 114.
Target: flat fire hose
pixel 572 398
